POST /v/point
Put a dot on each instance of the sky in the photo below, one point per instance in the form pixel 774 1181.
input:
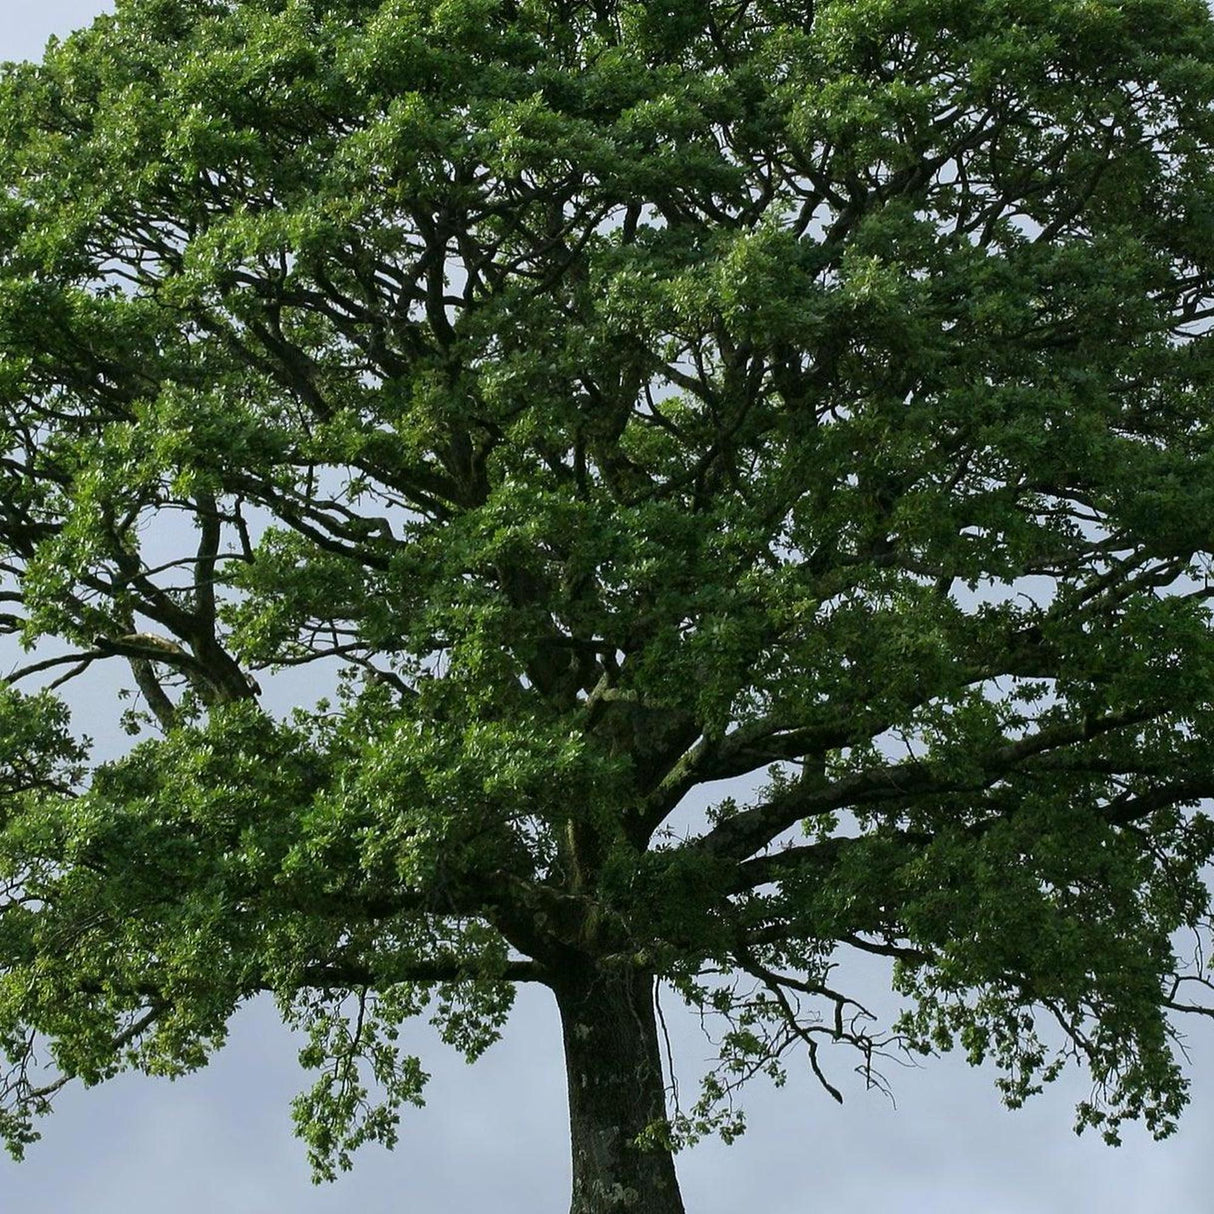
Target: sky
pixel 493 1136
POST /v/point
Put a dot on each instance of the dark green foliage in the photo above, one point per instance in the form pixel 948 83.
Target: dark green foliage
pixel 621 398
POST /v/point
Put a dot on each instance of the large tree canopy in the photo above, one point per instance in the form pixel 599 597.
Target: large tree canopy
pixel 609 399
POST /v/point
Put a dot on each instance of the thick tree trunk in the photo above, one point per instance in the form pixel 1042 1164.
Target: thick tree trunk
pixel 616 1093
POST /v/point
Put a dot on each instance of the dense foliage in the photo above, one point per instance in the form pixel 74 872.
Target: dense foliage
pixel 609 399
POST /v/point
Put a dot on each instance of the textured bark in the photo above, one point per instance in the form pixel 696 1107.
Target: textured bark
pixel 616 1093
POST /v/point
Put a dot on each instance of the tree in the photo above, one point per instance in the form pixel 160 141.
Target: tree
pixel 609 400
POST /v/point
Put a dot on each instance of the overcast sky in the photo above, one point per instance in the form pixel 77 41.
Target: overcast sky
pixel 493 1137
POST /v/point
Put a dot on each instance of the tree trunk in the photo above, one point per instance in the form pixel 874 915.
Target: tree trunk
pixel 616 1093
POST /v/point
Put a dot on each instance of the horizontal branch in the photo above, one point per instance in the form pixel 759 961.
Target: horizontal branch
pixel 84 657
pixel 343 974
pixel 753 829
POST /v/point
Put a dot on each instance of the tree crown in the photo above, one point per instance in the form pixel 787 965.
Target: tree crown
pixel 609 400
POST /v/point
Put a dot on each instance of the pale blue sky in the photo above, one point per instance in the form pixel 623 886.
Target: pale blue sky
pixel 493 1137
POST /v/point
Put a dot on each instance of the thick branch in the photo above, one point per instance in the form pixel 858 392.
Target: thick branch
pixel 349 973
pixel 755 828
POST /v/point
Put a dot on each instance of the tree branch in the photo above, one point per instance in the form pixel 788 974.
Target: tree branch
pixel 754 828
